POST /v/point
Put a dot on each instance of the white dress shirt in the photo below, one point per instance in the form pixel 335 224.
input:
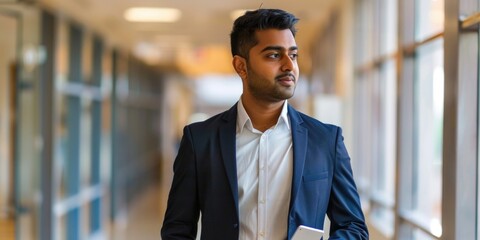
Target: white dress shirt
pixel 264 171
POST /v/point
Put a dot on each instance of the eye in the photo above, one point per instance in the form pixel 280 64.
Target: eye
pixel 273 55
pixel 293 56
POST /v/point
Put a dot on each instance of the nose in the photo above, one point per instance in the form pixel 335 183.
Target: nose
pixel 288 64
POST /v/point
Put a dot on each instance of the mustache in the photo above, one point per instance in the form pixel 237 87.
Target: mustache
pixel 286 75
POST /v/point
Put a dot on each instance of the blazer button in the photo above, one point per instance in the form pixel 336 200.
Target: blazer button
pixel 235 225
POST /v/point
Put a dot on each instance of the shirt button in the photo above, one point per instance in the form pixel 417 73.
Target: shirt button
pixel 262 234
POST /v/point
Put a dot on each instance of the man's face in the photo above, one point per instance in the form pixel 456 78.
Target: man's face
pixel 272 68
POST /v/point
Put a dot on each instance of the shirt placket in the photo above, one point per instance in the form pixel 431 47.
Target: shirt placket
pixel 262 185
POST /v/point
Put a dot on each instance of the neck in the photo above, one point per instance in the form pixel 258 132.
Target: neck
pixel 263 115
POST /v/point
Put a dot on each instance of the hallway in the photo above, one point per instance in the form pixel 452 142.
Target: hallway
pixel 93 105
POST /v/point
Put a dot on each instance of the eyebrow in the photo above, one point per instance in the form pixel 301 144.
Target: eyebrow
pixel 278 48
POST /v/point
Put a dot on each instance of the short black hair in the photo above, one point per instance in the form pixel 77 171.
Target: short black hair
pixel 242 37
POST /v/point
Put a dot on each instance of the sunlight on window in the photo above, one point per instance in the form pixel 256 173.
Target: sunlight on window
pixel 429 18
pixel 436 227
pixel 438 89
pixel 438 97
pixel 429 88
pixel 436 15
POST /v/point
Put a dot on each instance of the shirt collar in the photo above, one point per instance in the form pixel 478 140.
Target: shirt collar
pixel 243 120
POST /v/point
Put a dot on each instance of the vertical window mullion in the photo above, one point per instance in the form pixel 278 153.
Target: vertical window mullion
pixel 96 133
pixel 47 219
pixel 477 234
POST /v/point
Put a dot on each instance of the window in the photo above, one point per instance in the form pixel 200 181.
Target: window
pixel 79 136
pixel 383 179
pixel 362 113
pixel 388 23
pixel 424 196
pixel 429 15
pixel 375 90
pixel 421 173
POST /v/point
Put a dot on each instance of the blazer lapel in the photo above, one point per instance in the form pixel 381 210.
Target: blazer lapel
pixel 227 147
pixel 300 142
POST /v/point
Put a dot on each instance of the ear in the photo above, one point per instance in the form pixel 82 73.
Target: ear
pixel 240 66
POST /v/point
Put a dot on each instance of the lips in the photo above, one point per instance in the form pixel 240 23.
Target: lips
pixel 286 80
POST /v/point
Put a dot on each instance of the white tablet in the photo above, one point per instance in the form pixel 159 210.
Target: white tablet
pixel 307 233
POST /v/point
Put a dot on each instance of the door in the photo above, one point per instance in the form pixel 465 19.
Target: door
pixel 8 59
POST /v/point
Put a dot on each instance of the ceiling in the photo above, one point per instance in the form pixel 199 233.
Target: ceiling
pixel 202 30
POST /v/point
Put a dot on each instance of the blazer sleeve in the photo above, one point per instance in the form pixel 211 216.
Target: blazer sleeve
pixel 182 211
pixel 344 209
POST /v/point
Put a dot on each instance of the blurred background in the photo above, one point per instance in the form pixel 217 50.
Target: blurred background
pixel 94 96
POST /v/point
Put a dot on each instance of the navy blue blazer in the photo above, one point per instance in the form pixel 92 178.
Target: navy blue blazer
pixel 205 181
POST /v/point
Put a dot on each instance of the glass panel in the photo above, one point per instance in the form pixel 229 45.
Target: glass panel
pixel 27 228
pixel 85 142
pixel 429 18
pixel 388 86
pixel 362 161
pixel 384 127
pixel 28 142
pixel 428 120
pixel 75 36
pixel 409 233
pixel 87 52
pixel 375 115
pixel 388 26
pixel 383 218
pixel 8 31
pixel 106 153
pixel 66 147
pixel 364 32
pixel 60 230
pixel 85 221
pixel 62 53
pixel 62 64
pixel 96 133
pixel 61 150
pixel 106 118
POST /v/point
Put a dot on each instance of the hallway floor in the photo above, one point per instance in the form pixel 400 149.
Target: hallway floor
pixel 144 218
pixel 7 229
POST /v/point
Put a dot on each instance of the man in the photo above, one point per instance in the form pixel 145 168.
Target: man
pixel 261 169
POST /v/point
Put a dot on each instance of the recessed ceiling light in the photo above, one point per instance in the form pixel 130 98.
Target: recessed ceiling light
pixel 148 14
